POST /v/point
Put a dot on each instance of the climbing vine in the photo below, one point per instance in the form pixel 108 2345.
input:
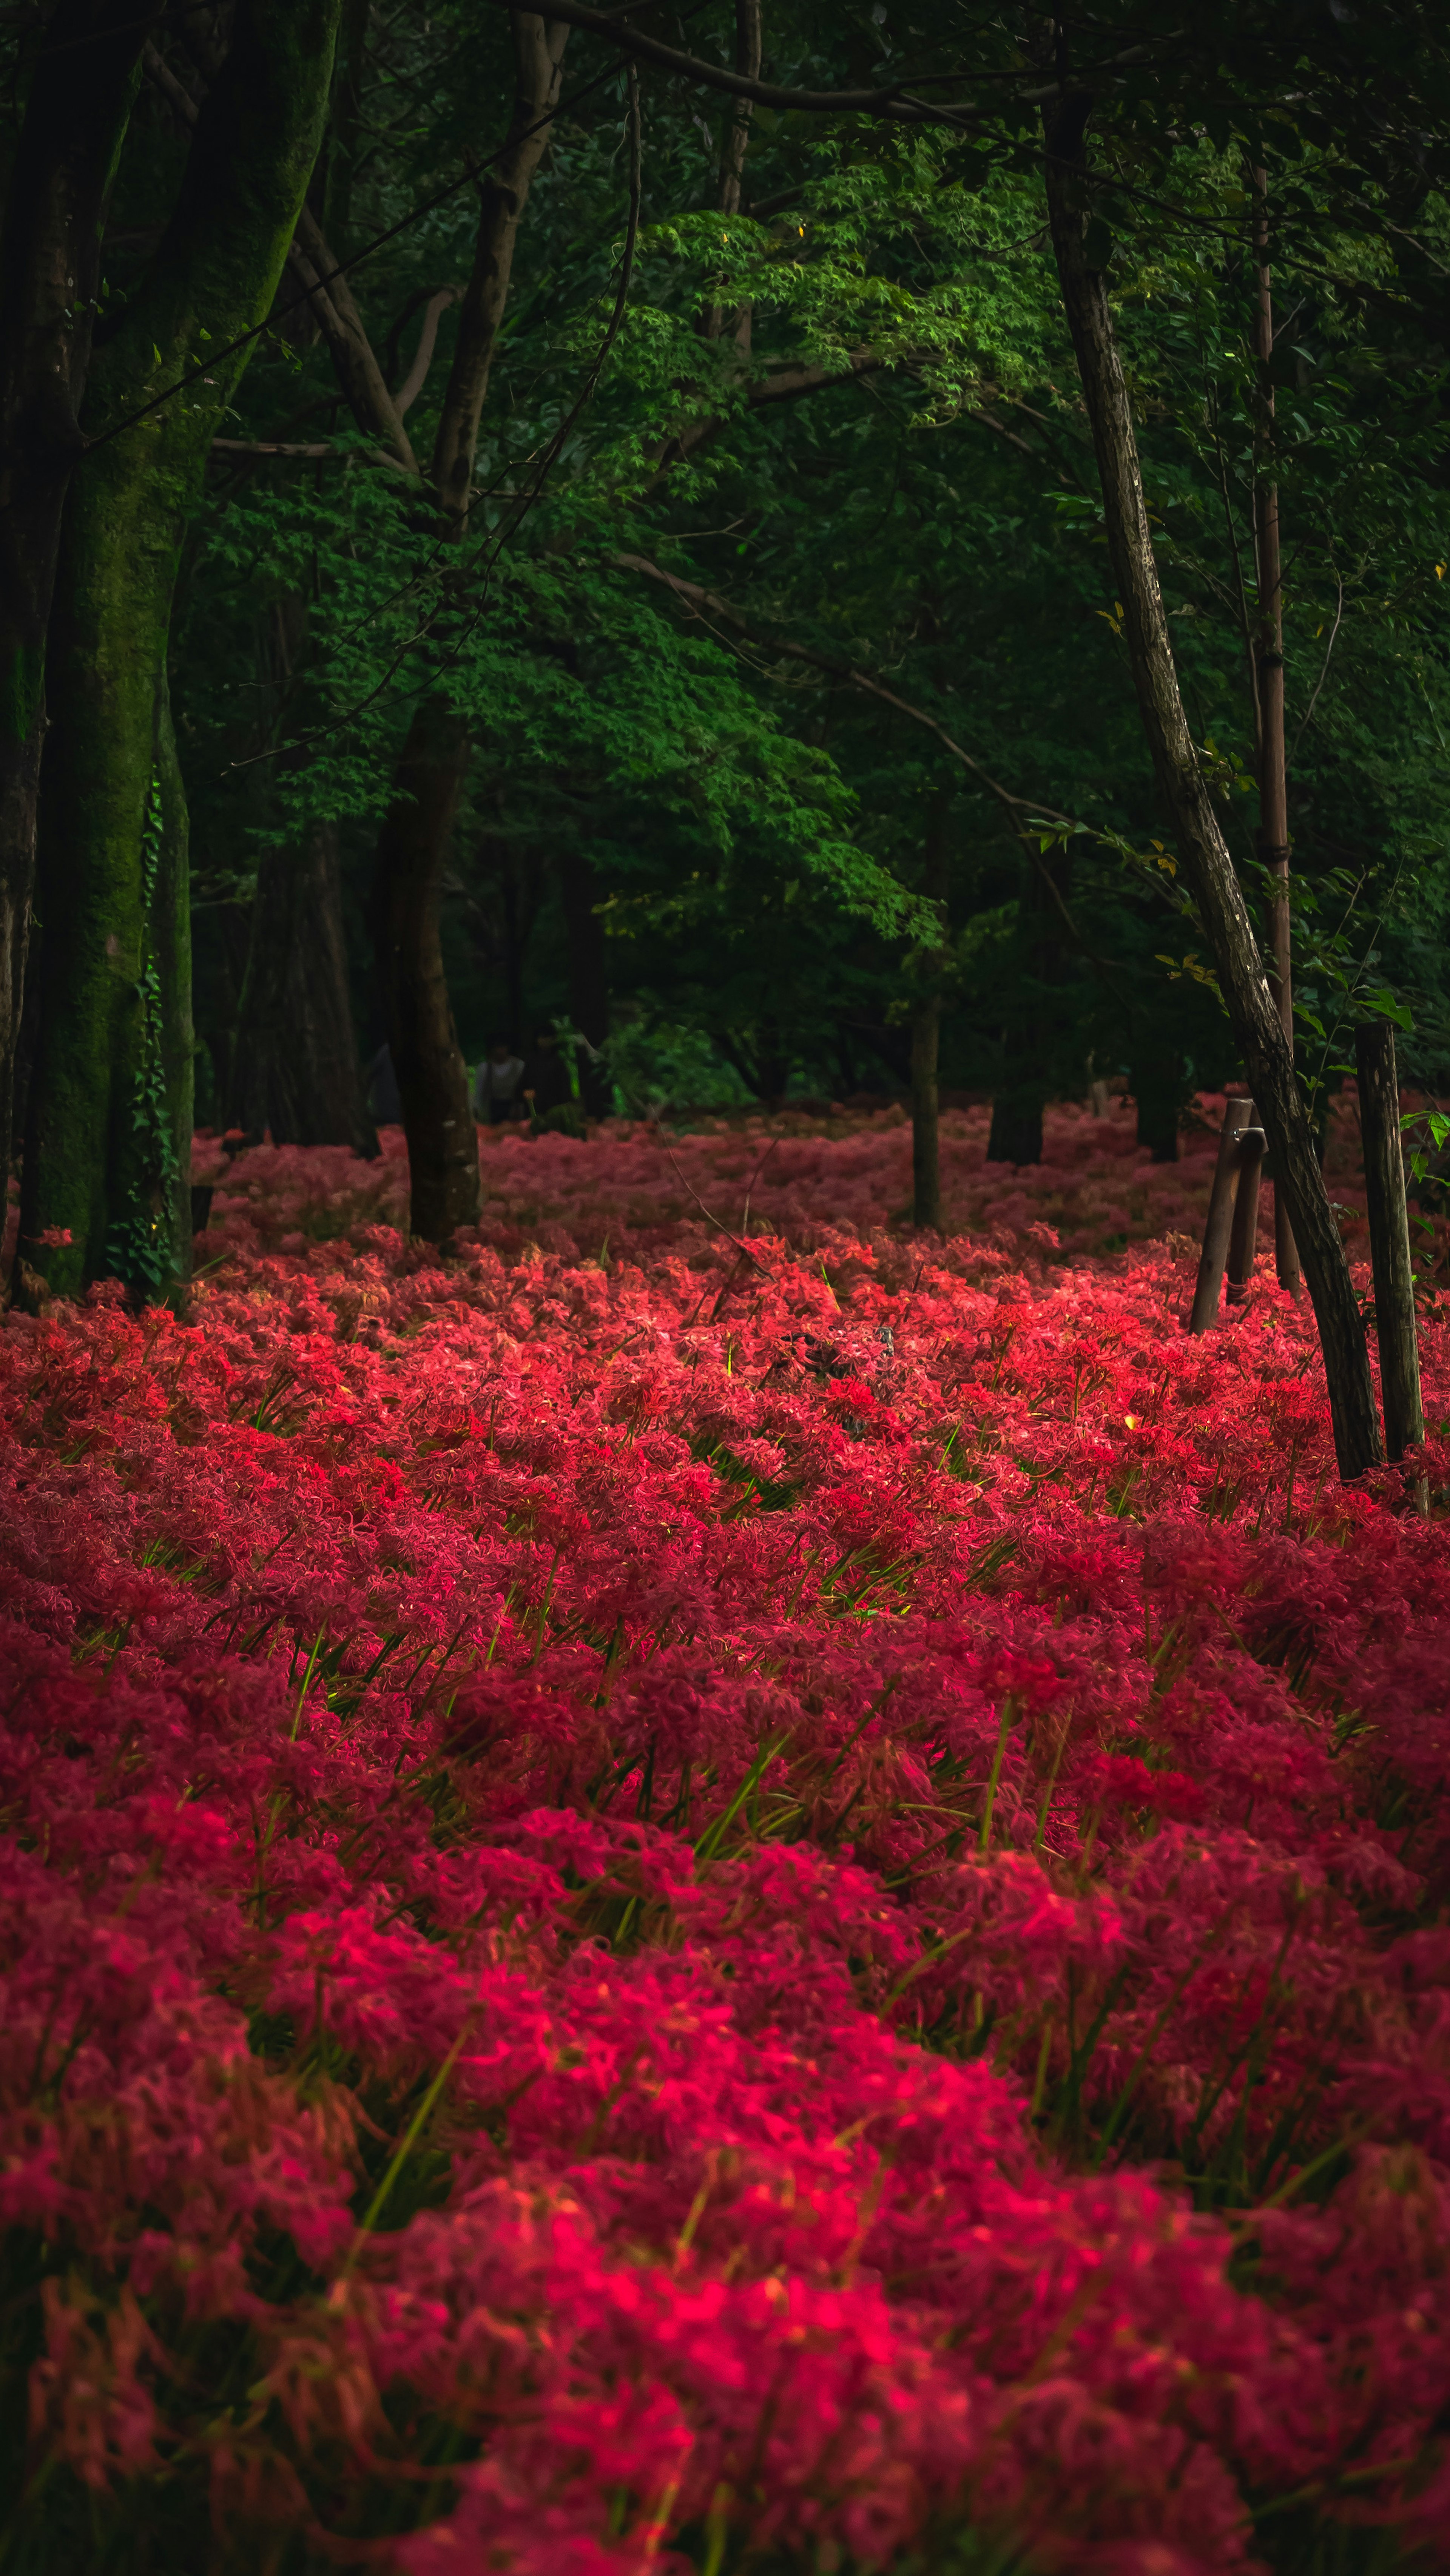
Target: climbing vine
pixel 139 1245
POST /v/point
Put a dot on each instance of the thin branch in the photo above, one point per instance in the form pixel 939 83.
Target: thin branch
pixel 699 601
pixel 1323 676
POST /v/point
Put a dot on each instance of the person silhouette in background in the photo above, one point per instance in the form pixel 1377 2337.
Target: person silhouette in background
pixel 496 1094
pixel 545 1081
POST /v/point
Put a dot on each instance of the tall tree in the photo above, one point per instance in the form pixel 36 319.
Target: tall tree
pixel 151 411
pixel 84 65
pixel 1202 855
pixel 413 845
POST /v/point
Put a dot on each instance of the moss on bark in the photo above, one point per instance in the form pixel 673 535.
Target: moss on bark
pixel 130 502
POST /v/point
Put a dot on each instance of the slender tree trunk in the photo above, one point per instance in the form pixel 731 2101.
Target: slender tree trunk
pixel 1159 1091
pixel 295 1064
pixel 1389 1238
pixel 1273 835
pixel 1021 1096
pixel 926 1026
pixel 748 42
pixel 1203 858
pixel 215 273
pixel 170 934
pixel 588 974
pixel 427 1058
pixel 503 193
pixel 81 88
pixel 925 1112
pixel 442 1147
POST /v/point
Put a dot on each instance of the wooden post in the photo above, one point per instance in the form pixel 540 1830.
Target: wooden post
pixel 1222 1201
pixel 1243 1241
pixel 1389 1239
pixel 1273 833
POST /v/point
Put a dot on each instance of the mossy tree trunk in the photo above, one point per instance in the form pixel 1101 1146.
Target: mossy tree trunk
pixel 212 279
pixel 82 79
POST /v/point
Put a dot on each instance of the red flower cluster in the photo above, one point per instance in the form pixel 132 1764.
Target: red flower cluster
pixel 674 1899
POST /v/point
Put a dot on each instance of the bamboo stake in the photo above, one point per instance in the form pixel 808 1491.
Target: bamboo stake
pixel 1244 1238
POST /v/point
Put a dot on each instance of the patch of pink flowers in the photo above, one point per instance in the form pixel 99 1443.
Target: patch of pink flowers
pixel 684 1897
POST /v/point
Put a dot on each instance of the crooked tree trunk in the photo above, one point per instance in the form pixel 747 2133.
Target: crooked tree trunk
pixel 130 501
pixel 926 1026
pixel 588 975
pixel 1203 858
pixel 82 86
pixel 427 1058
pixel 294 1062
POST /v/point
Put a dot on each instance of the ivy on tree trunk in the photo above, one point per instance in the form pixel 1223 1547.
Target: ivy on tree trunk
pixel 211 281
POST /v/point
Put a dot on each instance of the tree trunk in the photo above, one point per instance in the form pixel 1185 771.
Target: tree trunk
pixel 427 1058
pixel 1021 1096
pixel 925 1111
pixel 502 195
pixel 926 1027
pixel 82 85
pixel 170 931
pixel 1155 1078
pixel 1273 834
pixel 215 273
pixel 1389 1237
pixel 432 1077
pixel 295 1066
pixel 588 975
pixel 1203 858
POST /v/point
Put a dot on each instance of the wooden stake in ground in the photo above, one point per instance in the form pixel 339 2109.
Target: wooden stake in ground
pixel 1222 1205
pixel 1273 834
pixel 1389 1238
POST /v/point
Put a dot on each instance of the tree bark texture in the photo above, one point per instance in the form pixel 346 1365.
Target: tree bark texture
pixel 81 91
pixel 588 974
pixel 427 1058
pixel 294 1068
pixel 1203 858
pixel 1389 1236
pixel 127 511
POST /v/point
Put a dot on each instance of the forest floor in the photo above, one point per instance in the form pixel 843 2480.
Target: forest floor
pixel 709 1888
